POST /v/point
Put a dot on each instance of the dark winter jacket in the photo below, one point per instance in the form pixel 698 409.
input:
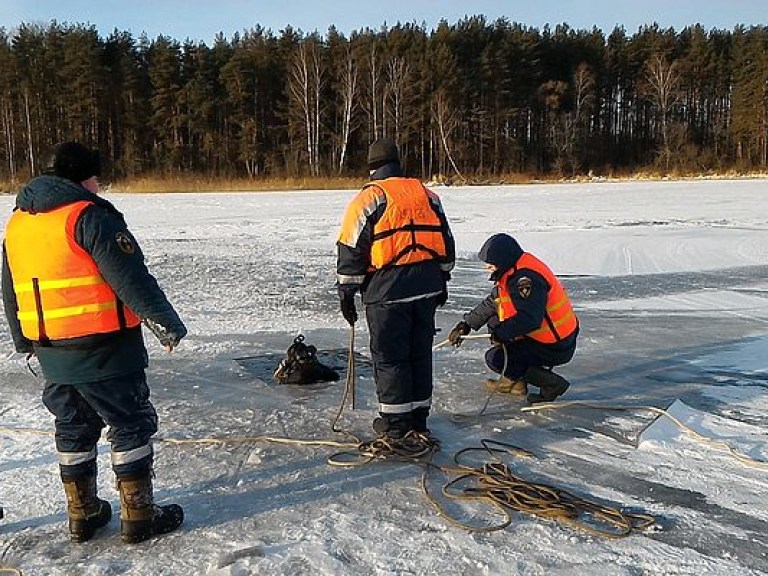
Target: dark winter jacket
pixel 121 264
pixel 393 283
pixel 504 252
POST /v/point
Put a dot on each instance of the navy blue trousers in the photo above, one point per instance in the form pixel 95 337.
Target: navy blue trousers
pixel 83 410
pixel 402 334
pixel 522 354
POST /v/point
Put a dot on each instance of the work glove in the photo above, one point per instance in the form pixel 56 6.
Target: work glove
pixel 461 329
pixel 169 339
pixel 496 340
pixel 348 309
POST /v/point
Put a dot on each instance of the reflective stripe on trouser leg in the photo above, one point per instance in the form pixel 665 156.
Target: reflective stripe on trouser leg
pixel 395 408
pixel 422 338
pixel 76 458
pixel 401 348
pixel 128 457
pixel 390 331
pixel 76 465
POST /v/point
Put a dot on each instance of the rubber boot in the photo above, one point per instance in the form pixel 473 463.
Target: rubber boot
pixel 506 385
pixel 420 430
pixel 86 511
pixel 140 517
pixel 550 385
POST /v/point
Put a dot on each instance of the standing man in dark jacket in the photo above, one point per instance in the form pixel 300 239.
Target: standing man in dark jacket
pixel 530 318
pixel 396 248
pixel 76 290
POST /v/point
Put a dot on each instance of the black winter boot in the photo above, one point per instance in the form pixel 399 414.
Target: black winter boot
pixel 140 517
pixel 419 419
pixel 86 511
pixel 550 385
pixel 420 430
pixel 392 425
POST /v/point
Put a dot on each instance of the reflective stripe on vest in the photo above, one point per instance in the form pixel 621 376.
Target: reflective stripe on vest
pixel 409 230
pixel 59 291
pixel 559 319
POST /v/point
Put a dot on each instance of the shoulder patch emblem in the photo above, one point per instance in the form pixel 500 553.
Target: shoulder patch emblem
pixel 524 287
pixel 125 242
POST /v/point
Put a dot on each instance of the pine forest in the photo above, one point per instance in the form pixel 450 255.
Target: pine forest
pixel 474 101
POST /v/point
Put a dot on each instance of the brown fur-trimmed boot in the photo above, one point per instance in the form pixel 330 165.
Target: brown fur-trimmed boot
pixel 140 517
pixel 504 385
pixel 86 511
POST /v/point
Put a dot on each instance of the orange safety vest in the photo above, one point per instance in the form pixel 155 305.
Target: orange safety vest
pixel 59 290
pixel 559 320
pixel 409 230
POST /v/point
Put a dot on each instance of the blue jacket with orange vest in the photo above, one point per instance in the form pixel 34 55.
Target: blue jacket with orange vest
pixel 395 243
pixel 107 248
pixel 527 300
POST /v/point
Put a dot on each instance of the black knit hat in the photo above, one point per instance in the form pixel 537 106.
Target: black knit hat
pixel 73 161
pixel 502 251
pixel 382 151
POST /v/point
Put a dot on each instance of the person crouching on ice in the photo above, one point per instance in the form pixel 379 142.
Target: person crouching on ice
pixel 530 319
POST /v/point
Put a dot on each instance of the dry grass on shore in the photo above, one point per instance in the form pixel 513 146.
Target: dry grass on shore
pixel 150 184
pixel 190 183
pixel 156 184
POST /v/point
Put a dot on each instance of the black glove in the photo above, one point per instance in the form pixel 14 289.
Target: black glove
pixel 461 329
pixel 495 339
pixel 348 309
pixel 168 338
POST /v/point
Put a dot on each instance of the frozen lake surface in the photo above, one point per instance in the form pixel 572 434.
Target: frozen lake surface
pixel 670 281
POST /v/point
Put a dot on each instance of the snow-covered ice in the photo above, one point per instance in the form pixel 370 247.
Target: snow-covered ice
pixel 670 281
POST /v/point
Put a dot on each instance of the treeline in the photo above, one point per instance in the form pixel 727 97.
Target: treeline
pixel 472 100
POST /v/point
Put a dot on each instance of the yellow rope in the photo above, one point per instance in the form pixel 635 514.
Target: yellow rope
pixel 417 449
pixel 26 431
pixel 495 484
pixel 220 440
pixel 460 418
pixel 467 337
pixel 349 389
pixel 492 482
pixel 743 458
pixel 348 392
pixel 253 440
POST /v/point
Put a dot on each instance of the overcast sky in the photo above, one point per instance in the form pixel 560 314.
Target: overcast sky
pixel 203 19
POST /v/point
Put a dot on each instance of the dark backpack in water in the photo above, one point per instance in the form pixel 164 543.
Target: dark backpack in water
pixel 301 366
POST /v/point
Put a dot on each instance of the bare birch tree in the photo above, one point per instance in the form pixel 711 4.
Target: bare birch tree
pixel 10 138
pixel 305 88
pixel 30 142
pixel 348 93
pixel 446 121
pixel 374 90
pixel 583 103
pixel 663 83
pixel 397 82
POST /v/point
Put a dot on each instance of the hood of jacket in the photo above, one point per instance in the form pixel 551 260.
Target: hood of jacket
pixel 46 193
pixel 391 170
pixel 501 250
